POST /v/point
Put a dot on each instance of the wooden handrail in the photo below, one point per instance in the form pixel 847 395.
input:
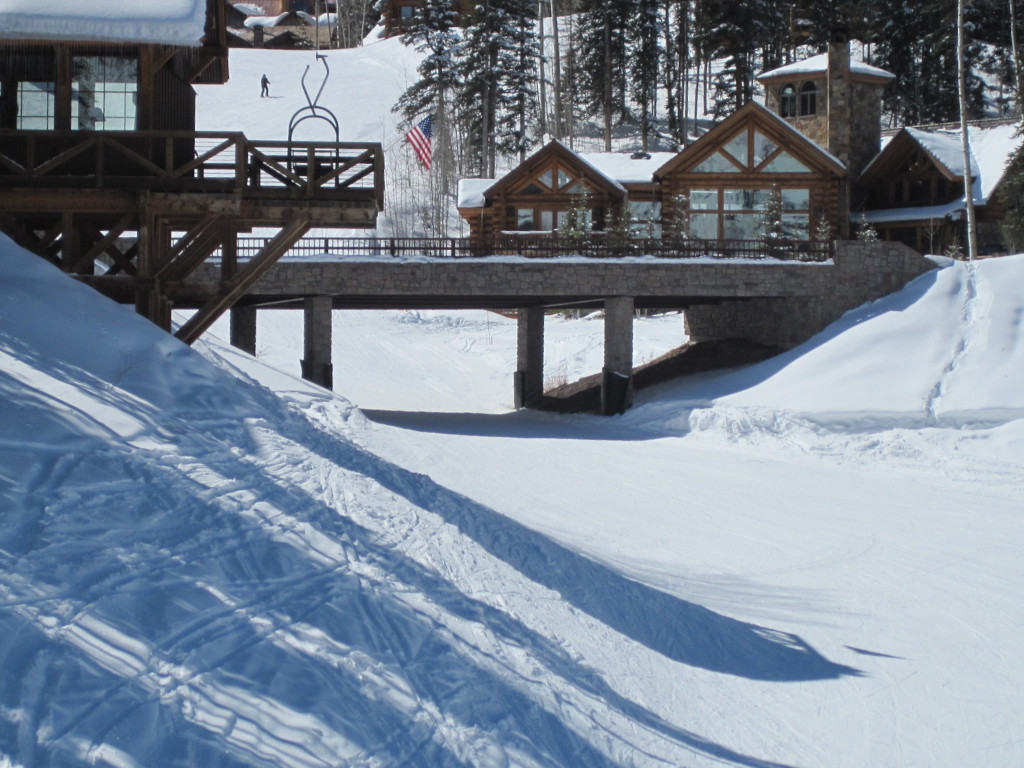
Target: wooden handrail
pixel 190 161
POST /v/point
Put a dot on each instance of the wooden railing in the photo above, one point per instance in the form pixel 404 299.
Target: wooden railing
pixel 189 161
pixel 547 246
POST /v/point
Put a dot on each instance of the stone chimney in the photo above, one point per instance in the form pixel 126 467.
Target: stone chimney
pixel 838 93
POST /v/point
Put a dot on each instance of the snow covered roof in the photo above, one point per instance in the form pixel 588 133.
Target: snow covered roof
pixel 247 9
pixel 819 65
pixel 991 148
pixel 470 192
pixel 265 21
pixel 945 147
pixel 627 169
pixel 587 162
pixel 170 22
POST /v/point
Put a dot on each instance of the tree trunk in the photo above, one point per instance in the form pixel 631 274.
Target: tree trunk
pixel 557 84
pixel 961 44
pixel 1016 59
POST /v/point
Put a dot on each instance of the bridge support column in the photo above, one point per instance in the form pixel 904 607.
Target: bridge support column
pixel 243 328
pixel 617 375
pixel 316 365
pixel 529 379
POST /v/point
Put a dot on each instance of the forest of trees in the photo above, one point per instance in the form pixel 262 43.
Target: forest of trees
pixel 656 68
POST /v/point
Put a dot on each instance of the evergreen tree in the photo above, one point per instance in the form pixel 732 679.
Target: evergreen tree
pixel 773 233
pixel 1011 196
pixel 497 65
pixel 434 34
pixel 600 49
pixel 644 35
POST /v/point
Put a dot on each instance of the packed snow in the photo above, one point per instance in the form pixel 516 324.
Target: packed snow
pixel 172 22
pixel 206 561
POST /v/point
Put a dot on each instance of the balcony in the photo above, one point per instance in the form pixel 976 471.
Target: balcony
pixel 268 179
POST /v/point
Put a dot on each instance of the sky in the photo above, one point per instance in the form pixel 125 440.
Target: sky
pixel 204 560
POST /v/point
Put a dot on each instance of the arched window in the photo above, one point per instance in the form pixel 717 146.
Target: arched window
pixel 808 99
pixel 787 101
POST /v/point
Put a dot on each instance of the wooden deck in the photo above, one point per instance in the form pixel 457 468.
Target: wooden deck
pixel 178 196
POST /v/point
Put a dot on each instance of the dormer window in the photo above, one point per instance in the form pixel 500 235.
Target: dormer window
pixel 787 101
pixel 808 99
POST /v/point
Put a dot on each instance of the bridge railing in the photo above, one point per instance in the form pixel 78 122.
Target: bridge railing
pixel 541 246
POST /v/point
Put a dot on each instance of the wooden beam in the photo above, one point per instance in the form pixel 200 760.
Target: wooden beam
pixel 202 241
pixel 234 289
pixel 104 243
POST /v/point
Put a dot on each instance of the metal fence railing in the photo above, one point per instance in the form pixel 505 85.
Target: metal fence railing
pixel 546 246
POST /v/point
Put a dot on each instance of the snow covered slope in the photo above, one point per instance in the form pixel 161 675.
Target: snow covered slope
pixel 198 570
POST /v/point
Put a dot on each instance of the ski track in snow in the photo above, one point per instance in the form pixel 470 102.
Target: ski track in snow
pixel 455 620
pixel 968 313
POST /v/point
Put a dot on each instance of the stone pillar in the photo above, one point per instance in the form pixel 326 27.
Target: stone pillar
pixel 243 328
pixel 617 375
pixel 316 365
pixel 529 378
pixel 837 86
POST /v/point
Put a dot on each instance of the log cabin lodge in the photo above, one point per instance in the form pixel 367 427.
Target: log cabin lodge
pixel 817 145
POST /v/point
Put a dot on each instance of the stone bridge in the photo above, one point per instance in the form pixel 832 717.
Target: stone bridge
pixel 779 303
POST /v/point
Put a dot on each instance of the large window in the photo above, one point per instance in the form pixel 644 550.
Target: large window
pixel 787 100
pixel 104 90
pixel 644 218
pixel 809 99
pixel 739 214
pixel 35 106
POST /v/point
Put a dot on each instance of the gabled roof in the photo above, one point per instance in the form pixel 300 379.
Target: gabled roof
pixel 990 149
pixel 771 125
pixel 818 65
pixel 990 146
pixel 556 149
pixel 170 22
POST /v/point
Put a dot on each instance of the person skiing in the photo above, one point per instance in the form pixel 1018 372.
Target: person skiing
pixel 264 87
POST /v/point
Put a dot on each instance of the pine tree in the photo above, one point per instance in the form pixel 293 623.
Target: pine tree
pixel 866 232
pixel 644 57
pixel 773 233
pixel 600 49
pixel 1011 196
pixel 497 64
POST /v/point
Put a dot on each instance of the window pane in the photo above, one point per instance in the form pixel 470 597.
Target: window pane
pixel 738 148
pixel 703 199
pixel 745 199
pixel 524 219
pixel 763 147
pixel 797 225
pixel 717 163
pixel 796 199
pixel 786 163
pixel 645 218
pixel 546 177
pixel 35 106
pixel 547 220
pixel 563 178
pixel 704 226
pixel 104 90
pixel 787 101
pixel 742 226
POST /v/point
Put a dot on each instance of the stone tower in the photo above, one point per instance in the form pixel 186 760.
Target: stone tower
pixel 835 102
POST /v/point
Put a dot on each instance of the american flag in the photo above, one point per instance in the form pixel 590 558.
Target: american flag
pixel 420 138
